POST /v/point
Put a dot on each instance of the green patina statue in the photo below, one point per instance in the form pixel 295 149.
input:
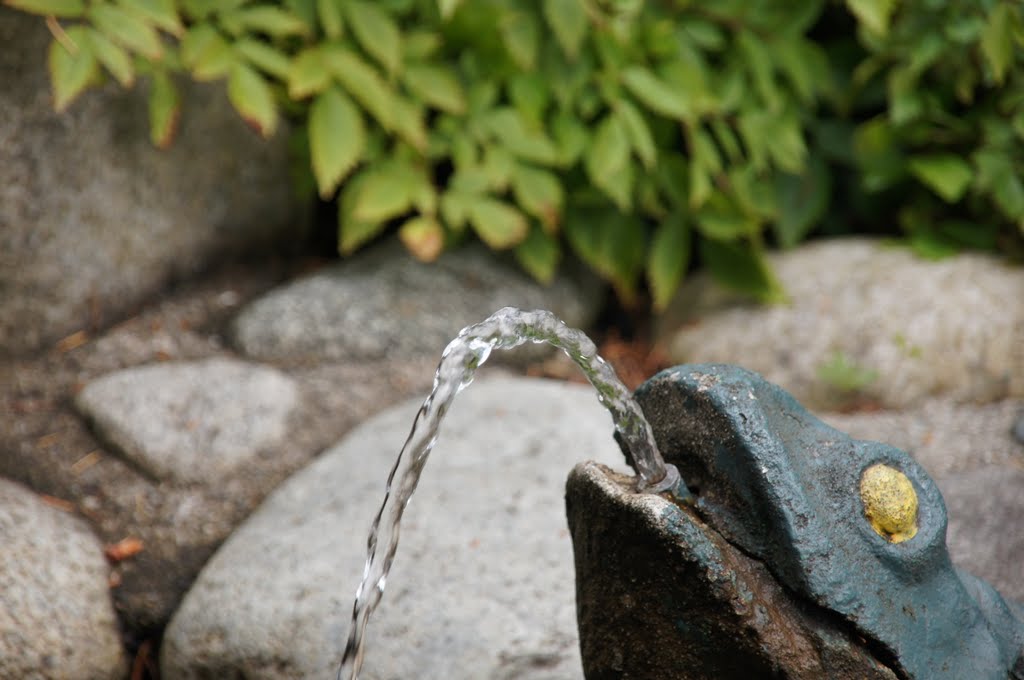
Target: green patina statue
pixel 802 553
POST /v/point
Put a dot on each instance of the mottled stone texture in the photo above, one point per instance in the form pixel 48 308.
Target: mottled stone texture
pixel 777 505
pixel 94 218
pixel 661 596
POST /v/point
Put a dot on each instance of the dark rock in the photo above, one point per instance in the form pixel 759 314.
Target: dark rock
pixel 385 304
pixel 662 596
pixel 94 219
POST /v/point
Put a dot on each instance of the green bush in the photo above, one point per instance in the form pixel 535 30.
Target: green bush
pixel 634 133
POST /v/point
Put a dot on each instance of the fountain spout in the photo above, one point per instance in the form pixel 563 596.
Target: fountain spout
pixel 505 329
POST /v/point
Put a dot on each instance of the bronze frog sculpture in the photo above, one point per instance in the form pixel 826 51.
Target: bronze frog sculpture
pixel 801 553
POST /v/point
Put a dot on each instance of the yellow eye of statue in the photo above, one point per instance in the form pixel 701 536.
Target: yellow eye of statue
pixel 890 502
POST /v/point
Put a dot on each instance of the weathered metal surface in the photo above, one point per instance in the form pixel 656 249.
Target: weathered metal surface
pixel 777 487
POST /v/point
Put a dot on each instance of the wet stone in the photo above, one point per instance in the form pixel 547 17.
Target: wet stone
pixel 191 422
pixel 56 616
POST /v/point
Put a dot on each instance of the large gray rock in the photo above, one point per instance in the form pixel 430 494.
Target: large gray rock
pixel 942 435
pixel 93 218
pixel 56 618
pixel 385 304
pixel 482 582
pixel 904 328
pixel 985 536
pixel 191 421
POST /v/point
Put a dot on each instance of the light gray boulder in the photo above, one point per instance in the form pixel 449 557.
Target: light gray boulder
pixel 56 618
pixel 945 437
pixel 893 328
pixel 986 534
pixel 386 304
pixel 191 422
pixel 482 584
pixel 94 219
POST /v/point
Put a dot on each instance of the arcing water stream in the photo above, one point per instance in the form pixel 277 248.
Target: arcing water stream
pixel 505 329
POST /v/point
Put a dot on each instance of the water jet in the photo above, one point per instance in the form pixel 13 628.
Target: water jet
pixel 793 551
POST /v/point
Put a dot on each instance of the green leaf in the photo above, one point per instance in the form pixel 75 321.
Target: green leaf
pixel 568 21
pixel 337 139
pixel 877 154
pixel 874 15
pixel 352 234
pixel 455 210
pixel 164 109
pixel 418 44
pixel 802 201
pixel 376 32
pixel 945 174
pixel 161 13
pixel 639 134
pixel 308 74
pixel 539 193
pixel 65 9
pixel 407 120
pixel 498 224
pixel 382 196
pixel 423 237
pixel 539 255
pixel 71 73
pixel 206 53
pixel 273 21
pixel 607 158
pixel 668 259
pixel 127 29
pixel 997 41
pixel 720 219
pixel 447 8
pixel 521 36
pixel 497 167
pixel 699 185
pixel 264 57
pixel 435 86
pixel 687 76
pixel 805 64
pixel 198 10
pixel 305 11
pixel 1008 192
pixel 528 142
pixel 705 34
pixel 570 138
pixel 655 94
pixel 363 82
pixel 329 13
pixel 759 61
pixel 113 57
pixel 741 267
pixel 705 162
pixel 613 244
pixel 251 96
pixel 530 94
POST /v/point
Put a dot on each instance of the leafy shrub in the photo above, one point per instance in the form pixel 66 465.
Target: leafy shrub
pixel 634 133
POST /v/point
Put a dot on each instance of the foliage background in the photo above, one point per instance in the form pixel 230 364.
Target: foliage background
pixel 639 135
